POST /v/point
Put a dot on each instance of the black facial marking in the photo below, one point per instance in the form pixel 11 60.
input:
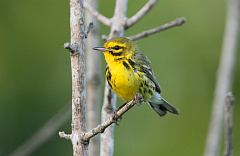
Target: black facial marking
pixel 119 58
pixel 116 47
pixel 115 54
pixel 126 65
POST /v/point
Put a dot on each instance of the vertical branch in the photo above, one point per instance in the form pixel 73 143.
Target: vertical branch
pixel 228 124
pixel 93 81
pixel 109 104
pixel 107 138
pixel 78 67
pixel 119 19
pixel 224 77
pixel 78 77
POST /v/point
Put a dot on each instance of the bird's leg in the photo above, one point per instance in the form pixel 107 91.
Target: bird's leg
pixel 139 99
pixel 116 118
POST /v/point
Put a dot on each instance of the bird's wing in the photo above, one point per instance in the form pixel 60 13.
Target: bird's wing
pixel 143 64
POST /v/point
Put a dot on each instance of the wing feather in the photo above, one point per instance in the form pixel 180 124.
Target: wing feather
pixel 143 64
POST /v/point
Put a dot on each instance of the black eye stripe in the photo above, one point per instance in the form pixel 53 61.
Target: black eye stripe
pixel 117 47
pixel 115 54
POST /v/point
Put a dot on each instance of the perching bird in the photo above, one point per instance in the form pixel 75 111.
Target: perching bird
pixel 129 72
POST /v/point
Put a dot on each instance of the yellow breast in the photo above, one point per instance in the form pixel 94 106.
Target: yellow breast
pixel 124 81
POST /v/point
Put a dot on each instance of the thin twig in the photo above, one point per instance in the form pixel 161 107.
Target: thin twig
pixel 44 133
pixel 71 47
pixel 89 28
pixel 101 18
pixel 174 23
pixel 224 77
pixel 113 119
pixel 140 14
pixel 228 124
pixel 65 136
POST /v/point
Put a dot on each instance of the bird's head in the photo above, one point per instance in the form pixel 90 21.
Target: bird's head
pixel 117 49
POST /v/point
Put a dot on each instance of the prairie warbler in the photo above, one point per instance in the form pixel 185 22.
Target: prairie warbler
pixel 129 72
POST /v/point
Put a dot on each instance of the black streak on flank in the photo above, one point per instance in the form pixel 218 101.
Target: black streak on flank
pixel 151 77
pixel 133 64
pixel 125 64
pixel 109 84
pixel 145 83
pixel 109 76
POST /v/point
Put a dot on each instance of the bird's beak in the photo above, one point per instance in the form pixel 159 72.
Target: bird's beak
pixel 102 49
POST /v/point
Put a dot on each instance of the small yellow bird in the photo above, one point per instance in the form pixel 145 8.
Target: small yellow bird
pixel 129 72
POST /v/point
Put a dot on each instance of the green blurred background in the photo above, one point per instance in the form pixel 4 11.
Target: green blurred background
pixel 35 74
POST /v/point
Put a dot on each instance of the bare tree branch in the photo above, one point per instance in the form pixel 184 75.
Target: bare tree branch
pixel 146 33
pixel 78 67
pixel 43 134
pixel 140 14
pixel 65 136
pixel 71 47
pixel 224 78
pixel 228 124
pixel 93 81
pixel 109 104
pixel 89 28
pixel 113 119
pixel 104 20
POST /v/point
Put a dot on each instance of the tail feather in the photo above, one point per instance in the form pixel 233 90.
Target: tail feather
pixel 163 107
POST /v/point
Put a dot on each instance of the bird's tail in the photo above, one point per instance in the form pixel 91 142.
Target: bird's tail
pixel 163 107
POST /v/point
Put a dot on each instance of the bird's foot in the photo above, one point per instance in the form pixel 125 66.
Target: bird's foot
pixel 138 97
pixel 116 118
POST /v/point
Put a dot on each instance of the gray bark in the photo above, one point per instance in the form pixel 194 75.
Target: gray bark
pixel 109 104
pixel 93 81
pixel 224 78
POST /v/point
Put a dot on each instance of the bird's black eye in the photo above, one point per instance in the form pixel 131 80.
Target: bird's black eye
pixel 116 47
